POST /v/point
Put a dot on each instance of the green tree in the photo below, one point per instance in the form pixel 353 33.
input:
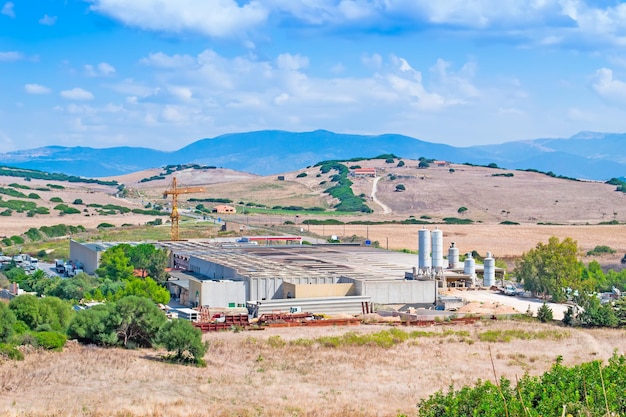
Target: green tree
pixel 620 311
pixel 149 260
pixel 400 187
pixel 75 288
pixel 37 313
pixel 549 268
pixel 115 265
pixel 593 278
pixel 568 316
pixel 7 321
pixel 96 325
pixel 147 288
pixel 26 309
pixel 594 313
pixel 140 320
pixel 181 337
pixel 56 313
pixel 544 313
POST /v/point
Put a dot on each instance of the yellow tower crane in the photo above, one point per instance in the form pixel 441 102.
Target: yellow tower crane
pixel 174 191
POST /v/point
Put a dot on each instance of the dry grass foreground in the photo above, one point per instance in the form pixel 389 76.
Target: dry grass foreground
pixel 251 374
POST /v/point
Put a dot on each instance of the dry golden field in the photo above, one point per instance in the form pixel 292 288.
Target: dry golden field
pixel 260 373
pixel 501 240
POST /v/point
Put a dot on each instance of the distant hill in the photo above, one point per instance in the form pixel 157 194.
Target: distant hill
pixel 588 155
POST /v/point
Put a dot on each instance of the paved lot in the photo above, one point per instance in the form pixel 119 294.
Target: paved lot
pixel 519 303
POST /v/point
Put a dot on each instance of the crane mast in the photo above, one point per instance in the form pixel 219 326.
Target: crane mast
pixel 174 191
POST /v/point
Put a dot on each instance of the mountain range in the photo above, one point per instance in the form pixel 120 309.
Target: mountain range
pixel 586 155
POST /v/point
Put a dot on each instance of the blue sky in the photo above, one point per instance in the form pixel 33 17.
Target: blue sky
pixel 165 73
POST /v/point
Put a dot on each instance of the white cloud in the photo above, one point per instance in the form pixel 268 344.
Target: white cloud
pixel 173 114
pixel 182 93
pixel 372 61
pixel 292 62
pixel 7 9
pixel 574 23
pixel 456 82
pixel 219 18
pixel 209 93
pixel 103 69
pixel 48 20
pixel 608 87
pixel 10 56
pixel 161 60
pixel 76 94
pixel 36 89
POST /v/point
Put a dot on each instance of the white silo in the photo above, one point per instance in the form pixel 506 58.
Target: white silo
pixel 469 268
pixel 437 248
pixel 453 256
pixel 423 243
pixel 489 278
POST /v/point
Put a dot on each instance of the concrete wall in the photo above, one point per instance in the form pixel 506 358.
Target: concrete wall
pixel 88 257
pixel 291 290
pixel 264 288
pixel 398 292
pixel 216 293
pixel 212 270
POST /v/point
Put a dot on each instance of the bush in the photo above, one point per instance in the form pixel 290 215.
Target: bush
pixel 181 337
pixel 600 250
pixel 400 187
pixel 56 200
pixel 105 225
pixel 568 317
pixel 11 352
pixel 18 240
pixel 544 313
pixel 65 209
pixel 456 220
pixel 301 175
pixel 400 164
pixel 33 234
pixel 78 201
pixel 461 209
pixel 51 340
pixel 7 322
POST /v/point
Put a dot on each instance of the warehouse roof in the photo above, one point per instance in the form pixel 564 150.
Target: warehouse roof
pixel 302 260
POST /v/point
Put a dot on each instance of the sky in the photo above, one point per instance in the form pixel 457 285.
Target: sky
pixel 165 73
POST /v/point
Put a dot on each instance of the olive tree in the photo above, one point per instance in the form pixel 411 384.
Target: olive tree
pixel 180 337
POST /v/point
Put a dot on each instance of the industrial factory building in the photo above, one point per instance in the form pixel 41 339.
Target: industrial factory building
pixel 270 277
pixel 321 278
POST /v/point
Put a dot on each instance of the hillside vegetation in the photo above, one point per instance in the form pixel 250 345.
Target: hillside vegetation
pixel 406 191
